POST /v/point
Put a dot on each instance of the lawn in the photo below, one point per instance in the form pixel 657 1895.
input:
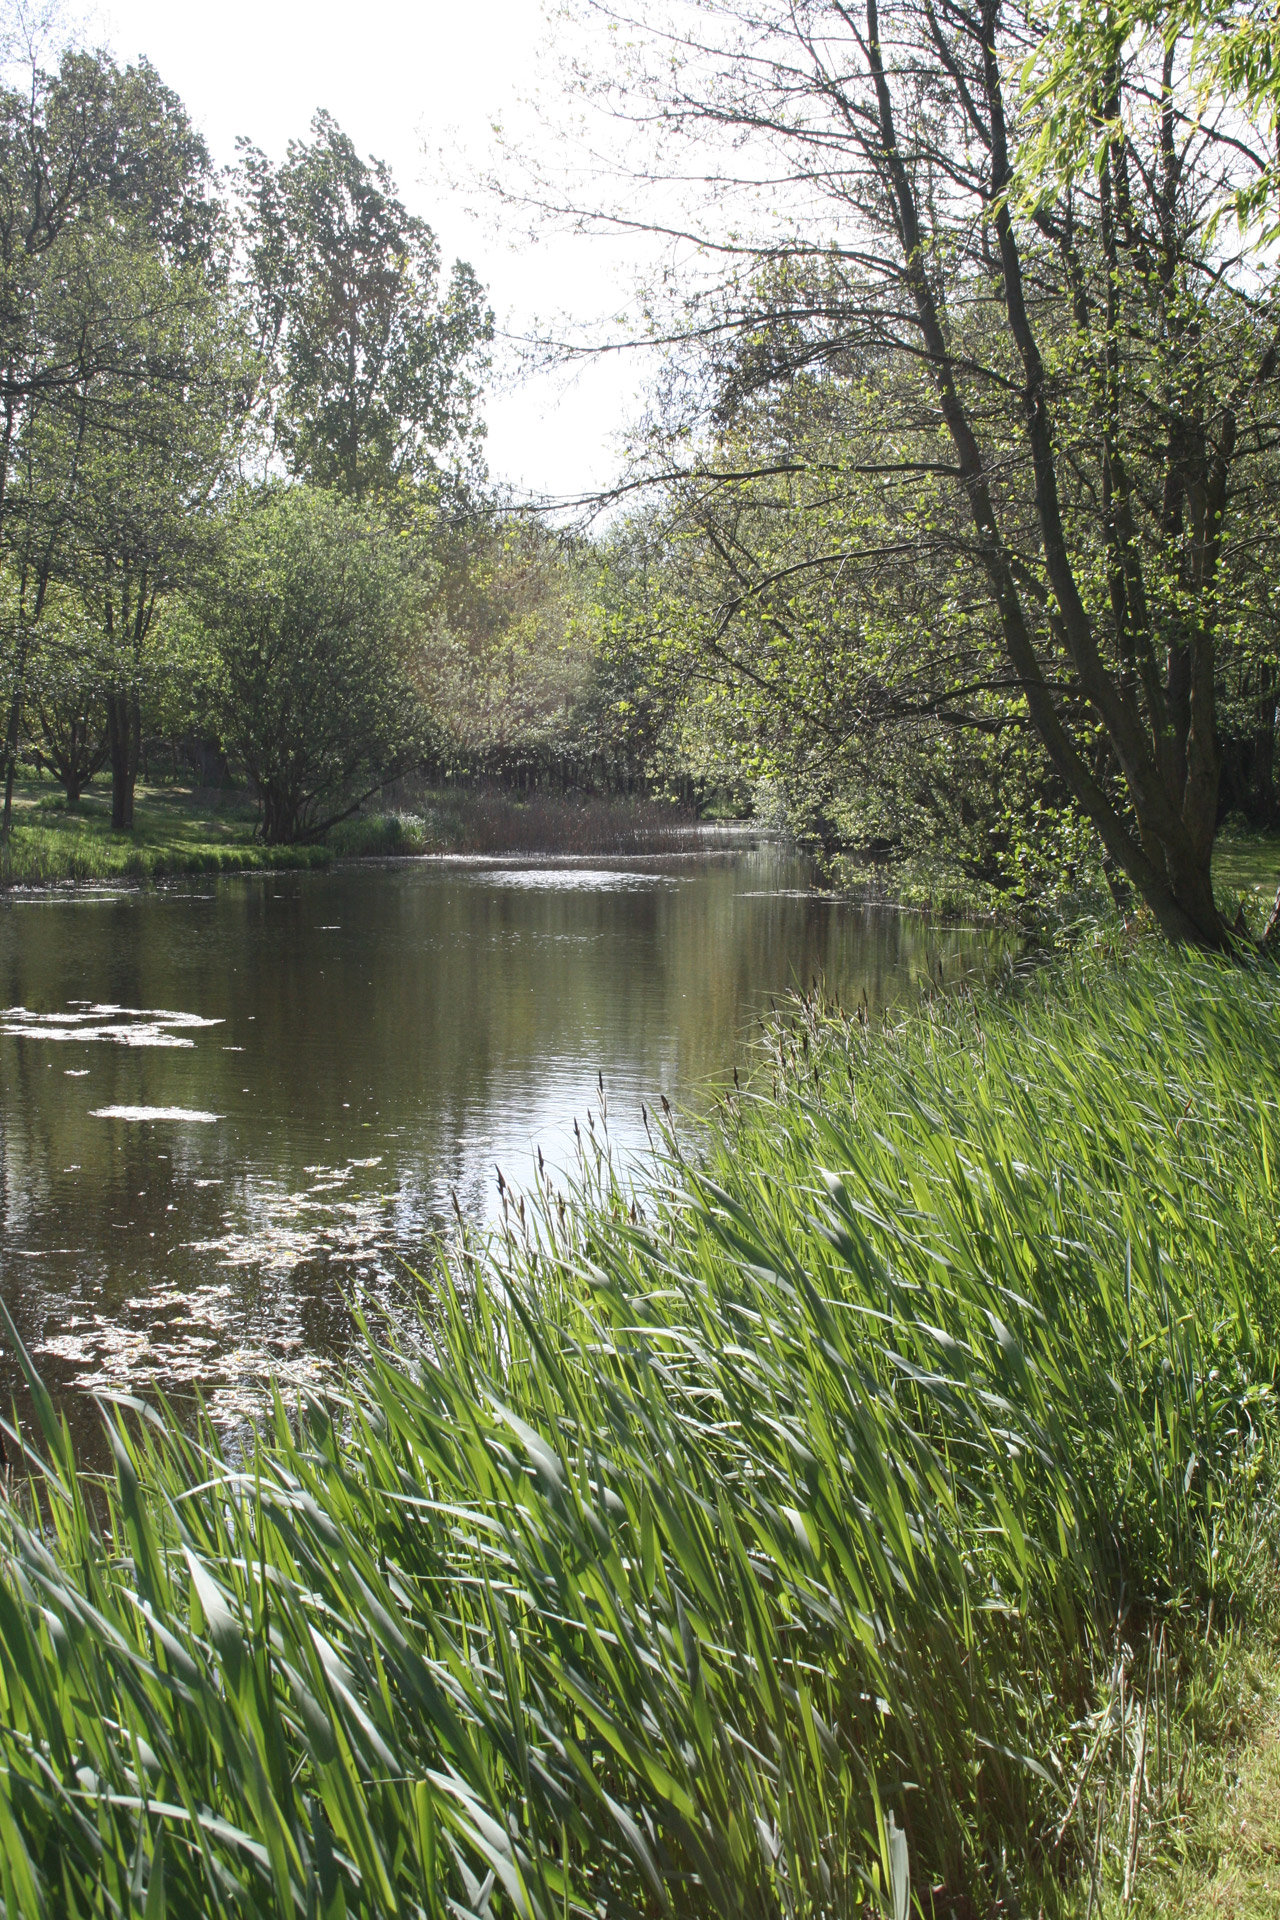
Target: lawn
pixel 1248 864
pixel 172 834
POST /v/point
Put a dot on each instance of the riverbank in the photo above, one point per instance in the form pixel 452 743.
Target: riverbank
pixel 880 1506
pixel 180 831
pixel 1246 871
pixel 174 832
pixel 187 831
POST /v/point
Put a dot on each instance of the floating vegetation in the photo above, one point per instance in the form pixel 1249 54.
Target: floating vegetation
pixel 291 1229
pixel 126 1026
pixel 184 1341
pixel 227 1338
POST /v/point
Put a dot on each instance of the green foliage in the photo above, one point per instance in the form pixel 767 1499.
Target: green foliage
pixel 307 612
pixel 938 456
pixel 142 339
pixel 375 367
pixel 71 674
pixel 741 1557
pixel 534 660
pixel 126 375
pixel 145 488
pixel 813 635
pixel 95 139
pixel 386 834
pixel 507 648
pixel 652 707
pixel 1220 53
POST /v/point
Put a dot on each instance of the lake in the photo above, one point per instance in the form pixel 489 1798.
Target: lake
pixel 230 1107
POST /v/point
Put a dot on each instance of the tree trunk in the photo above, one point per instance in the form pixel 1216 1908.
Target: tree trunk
pixel 12 731
pixel 122 735
pixel 1168 858
pixel 280 825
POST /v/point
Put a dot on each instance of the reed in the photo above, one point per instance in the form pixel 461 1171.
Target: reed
pixel 774 1544
pixel 375 834
pixel 488 820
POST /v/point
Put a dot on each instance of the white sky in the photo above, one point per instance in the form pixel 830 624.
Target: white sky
pixel 419 84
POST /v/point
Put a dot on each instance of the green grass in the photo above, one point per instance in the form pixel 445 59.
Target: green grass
pixel 171 835
pixel 374 835
pixel 1221 1858
pixel 175 834
pixel 794 1542
pixel 1249 864
pixel 1245 864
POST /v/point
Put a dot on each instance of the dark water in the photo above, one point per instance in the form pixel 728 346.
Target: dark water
pixel 361 1043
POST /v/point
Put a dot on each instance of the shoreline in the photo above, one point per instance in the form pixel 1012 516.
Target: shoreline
pixel 177 837
pixel 175 834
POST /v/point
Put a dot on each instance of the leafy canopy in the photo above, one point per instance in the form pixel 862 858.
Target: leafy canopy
pixel 375 365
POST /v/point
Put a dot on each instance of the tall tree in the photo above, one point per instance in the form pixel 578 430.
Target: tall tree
pixel 102 180
pixel 376 365
pixel 151 468
pixel 1088 372
pixel 71 677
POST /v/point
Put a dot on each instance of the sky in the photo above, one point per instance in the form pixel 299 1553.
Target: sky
pixel 419 84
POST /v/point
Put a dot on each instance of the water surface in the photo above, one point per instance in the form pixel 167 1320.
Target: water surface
pixel 226 1107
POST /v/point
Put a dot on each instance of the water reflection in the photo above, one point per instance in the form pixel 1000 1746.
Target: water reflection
pixel 226 1106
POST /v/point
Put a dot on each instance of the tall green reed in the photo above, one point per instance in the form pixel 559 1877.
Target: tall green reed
pixel 760 1549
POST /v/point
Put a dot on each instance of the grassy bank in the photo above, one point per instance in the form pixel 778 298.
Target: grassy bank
pixel 176 831
pixel 861 1518
pixel 173 833
pixel 1249 864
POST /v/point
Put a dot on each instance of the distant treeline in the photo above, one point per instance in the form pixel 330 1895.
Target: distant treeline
pixel 245 527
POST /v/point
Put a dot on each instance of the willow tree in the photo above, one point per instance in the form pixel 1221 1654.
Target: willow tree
pixel 1086 360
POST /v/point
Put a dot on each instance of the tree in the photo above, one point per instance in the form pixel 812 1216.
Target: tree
pixel 105 194
pixel 71 676
pixel 375 368
pixel 1230 52
pixel 307 610
pixel 1086 373
pixel 507 650
pixel 152 462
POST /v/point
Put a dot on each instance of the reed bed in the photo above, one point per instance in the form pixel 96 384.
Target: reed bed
pixel 777 1544
pixel 488 820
